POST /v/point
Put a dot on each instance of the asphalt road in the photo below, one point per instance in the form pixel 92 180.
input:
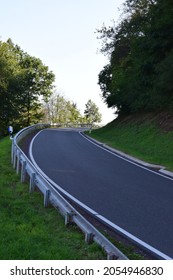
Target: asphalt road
pixel 137 200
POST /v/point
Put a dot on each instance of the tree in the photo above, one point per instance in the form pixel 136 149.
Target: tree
pixel 24 80
pixel 138 76
pixel 37 84
pixel 10 75
pixel 92 112
pixel 58 109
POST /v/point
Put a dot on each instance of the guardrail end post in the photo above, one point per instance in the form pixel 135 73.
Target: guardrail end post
pixel 23 171
pixel 89 237
pixel 32 182
pixel 46 198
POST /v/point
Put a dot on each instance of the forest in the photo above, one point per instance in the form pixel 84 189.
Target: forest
pixel 138 77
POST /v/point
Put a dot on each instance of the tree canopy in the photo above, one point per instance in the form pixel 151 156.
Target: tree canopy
pixel 92 113
pixel 57 109
pixel 139 74
pixel 24 81
pixel 28 96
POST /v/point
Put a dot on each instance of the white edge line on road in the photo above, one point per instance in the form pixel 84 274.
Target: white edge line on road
pixel 124 158
pixel 53 183
pixel 134 238
pixel 97 215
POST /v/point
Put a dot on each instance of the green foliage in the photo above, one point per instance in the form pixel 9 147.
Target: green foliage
pixel 138 76
pixel 24 80
pixel 92 112
pixel 37 82
pixel 9 75
pixel 57 109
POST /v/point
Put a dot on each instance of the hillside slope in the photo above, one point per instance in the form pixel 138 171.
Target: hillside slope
pixel 146 136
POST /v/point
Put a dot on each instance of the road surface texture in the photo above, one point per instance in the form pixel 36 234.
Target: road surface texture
pixel 138 200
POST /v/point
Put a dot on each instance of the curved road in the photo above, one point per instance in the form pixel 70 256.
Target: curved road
pixel 132 197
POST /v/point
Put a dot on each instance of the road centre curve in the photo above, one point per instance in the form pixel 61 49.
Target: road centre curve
pixel 136 199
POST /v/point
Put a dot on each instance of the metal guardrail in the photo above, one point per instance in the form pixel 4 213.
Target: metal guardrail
pixel 69 124
pixel 23 165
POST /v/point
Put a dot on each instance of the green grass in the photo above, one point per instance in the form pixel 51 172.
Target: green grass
pixel 144 140
pixel 28 230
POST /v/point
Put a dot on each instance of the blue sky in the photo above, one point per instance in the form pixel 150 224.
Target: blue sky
pixel 62 34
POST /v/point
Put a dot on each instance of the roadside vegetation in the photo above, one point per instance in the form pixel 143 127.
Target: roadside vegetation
pixel 30 231
pixel 138 76
pixel 148 137
pixel 137 81
pixel 28 94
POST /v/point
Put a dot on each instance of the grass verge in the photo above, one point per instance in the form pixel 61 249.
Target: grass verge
pixel 139 137
pixel 28 230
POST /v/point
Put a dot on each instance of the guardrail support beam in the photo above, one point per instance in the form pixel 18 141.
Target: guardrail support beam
pixel 89 237
pixel 23 171
pixel 12 151
pixel 32 182
pixel 68 218
pixel 18 163
pixel 111 256
pixel 14 159
pixel 46 198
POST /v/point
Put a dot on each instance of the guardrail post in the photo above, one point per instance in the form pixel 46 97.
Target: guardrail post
pixel 23 171
pixel 32 182
pixel 111 256
pixel 46 198
pixel 14 157
pixel 18 162
pixel 89 237
pixel 68 218
pixel 12 151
